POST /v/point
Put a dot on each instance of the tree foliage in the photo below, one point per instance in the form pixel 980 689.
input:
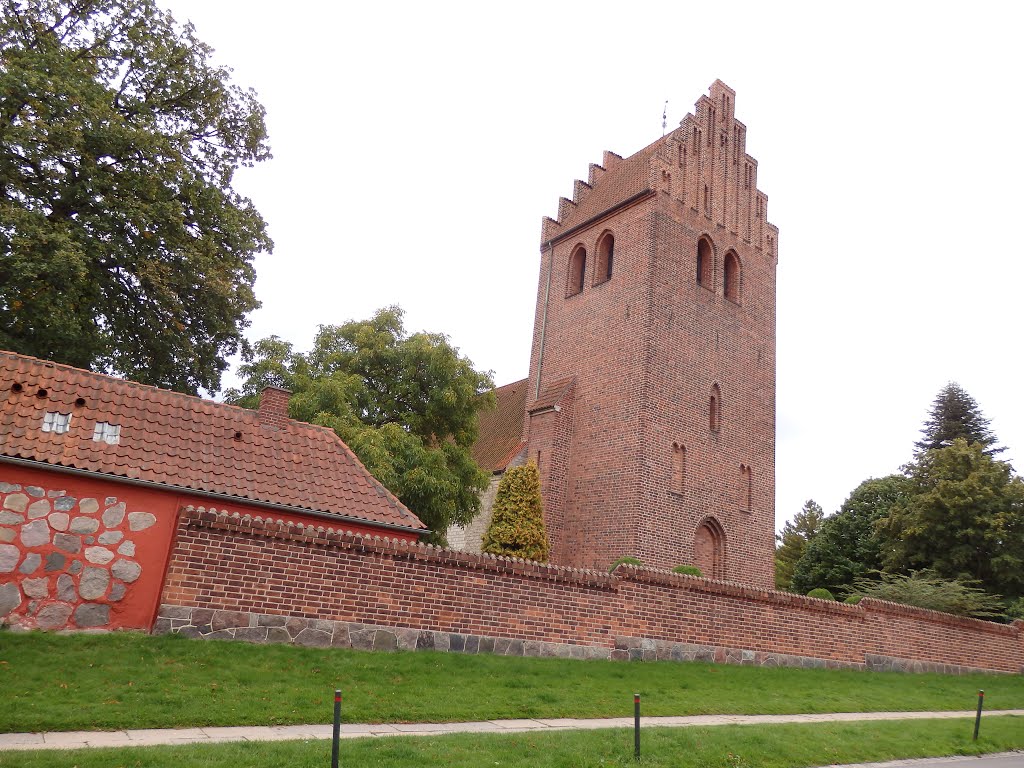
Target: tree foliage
pixel 848 547
pixel 956 415
pixel 924 589
pixel 963 518
pixel 517 524
pixel 793 541
pixel 123 247
pixel 406 404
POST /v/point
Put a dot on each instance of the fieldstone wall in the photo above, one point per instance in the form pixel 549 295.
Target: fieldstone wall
pixel 210 624
pixel 65 561
pixel 265 580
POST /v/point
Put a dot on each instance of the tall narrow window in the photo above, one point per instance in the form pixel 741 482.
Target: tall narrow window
pixel 715 409
pixel 705 263
pixel 605 258
pixel 678 468
pixel 577 270
pixel 745 488
pixel 732 277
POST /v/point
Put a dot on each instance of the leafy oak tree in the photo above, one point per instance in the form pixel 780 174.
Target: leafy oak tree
pixel 962 518
pixel 848 547
pixel 517 525
pixel 406 404
pixel 123 247
pixel 955 414
pixel 792 542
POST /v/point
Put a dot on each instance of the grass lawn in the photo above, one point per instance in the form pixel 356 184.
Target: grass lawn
pixel 775 746
pixel 124 680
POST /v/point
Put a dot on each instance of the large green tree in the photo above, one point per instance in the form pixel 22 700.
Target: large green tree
pixel 406 404
pixel 848 547
pixel 123 246
pixel 955 414
pixel 792 542
pixel 963 518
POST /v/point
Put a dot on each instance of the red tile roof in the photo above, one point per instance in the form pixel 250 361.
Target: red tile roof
pixel 186 442
pixel 625 178
pixel 500 430
pixel 552 394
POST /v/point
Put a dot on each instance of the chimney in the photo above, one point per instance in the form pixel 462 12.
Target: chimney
pixel 274 406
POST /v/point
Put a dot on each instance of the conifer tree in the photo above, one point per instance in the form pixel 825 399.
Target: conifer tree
pixel 793 541
pixel 517 523
pixel 955 414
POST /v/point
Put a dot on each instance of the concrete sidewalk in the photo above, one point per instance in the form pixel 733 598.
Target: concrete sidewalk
pixel 162 736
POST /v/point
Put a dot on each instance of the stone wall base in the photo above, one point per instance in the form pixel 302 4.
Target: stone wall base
pixel 209 624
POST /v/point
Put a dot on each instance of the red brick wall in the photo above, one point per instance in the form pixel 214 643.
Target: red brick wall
pixel 234 564
pixel 647 346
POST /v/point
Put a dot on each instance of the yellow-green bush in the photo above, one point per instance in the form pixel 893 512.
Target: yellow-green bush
pixel 517 524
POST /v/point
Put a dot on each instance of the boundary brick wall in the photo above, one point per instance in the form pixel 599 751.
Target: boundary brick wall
pixel 269 580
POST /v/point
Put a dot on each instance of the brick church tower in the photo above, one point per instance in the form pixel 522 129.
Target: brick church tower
pixel 650 404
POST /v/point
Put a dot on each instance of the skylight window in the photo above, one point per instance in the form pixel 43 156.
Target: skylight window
pixel 107 433
pixel 56 422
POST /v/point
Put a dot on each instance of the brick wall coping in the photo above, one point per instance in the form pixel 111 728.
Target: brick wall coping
pixel 923 614
pixel 201 517
pixel 654 576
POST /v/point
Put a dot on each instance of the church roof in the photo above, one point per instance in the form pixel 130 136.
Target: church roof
pixel 500 429
pixel 552 394
pixel 128 430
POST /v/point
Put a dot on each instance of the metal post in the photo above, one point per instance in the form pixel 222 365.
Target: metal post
pixel 636 726
pixel 977 719
pixel 337 729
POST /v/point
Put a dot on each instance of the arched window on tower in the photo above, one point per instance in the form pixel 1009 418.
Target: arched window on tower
pixel 705 263
pixel 732 277
pixel 605 258
pixel 577 270
pixel 709 549
pixel 715 409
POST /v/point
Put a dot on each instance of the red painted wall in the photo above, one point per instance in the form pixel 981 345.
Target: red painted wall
pixel 64 542
pixel 226 563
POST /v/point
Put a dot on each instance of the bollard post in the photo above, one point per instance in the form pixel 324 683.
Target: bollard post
pixel 337 729
pixel 636 726
pixel 977 719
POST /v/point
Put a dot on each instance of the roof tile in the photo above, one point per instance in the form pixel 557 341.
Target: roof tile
pixel 179 440
pixel 500 430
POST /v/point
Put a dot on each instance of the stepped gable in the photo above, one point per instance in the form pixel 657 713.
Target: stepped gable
pixel 703 164
pixel 500 430
pixel 186 442
pixel 610 184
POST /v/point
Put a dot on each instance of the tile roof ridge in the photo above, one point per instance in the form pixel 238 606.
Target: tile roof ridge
pixel 511 384
pixel 42 363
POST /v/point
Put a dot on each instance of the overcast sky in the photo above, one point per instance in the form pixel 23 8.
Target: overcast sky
pixel 417 146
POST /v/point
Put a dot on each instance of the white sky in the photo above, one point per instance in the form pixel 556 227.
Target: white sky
pixel 417 146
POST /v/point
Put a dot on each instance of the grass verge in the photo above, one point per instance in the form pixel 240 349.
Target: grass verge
pixel 774 746
pixel 123 680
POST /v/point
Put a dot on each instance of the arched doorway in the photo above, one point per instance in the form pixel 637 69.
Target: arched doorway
pixel 709 548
